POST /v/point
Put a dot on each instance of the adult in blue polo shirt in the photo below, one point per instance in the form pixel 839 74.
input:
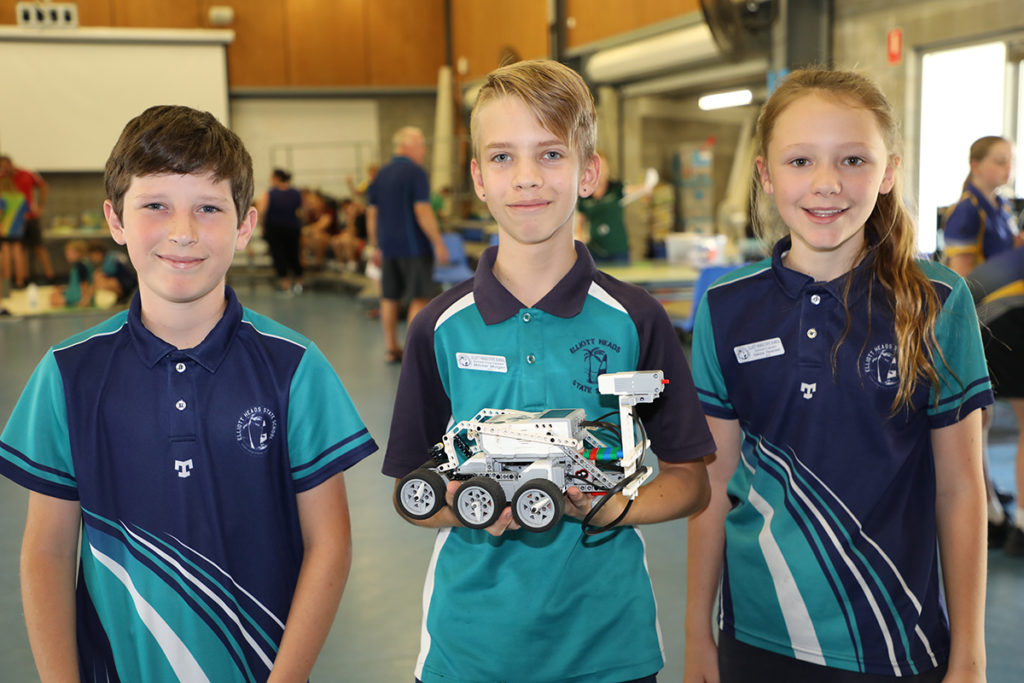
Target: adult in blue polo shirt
pixel 982 224
pixel 402 228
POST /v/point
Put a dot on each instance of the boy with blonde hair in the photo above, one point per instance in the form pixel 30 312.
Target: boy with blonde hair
pixel 196 446
pixel 532 330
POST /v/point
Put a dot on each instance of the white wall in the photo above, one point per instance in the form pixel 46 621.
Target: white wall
pixel 319 140
pixel 68 94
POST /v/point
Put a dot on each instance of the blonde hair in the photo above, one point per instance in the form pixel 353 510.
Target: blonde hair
pixel 890 230
pixel 979 150
pixel 555 94
pixel 405 136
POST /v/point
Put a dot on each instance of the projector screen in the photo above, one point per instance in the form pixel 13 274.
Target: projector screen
pixel 68 94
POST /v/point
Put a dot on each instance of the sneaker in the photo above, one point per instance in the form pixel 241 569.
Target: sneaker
pixel 997 533
pixel 1014 546
pixel 297 288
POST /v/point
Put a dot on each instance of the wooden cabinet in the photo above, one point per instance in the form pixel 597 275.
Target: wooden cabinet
pixel 482 30
pixel 376 43
pixel 326 42
pixel 594 20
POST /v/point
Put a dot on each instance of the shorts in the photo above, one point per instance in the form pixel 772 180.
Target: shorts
pixel 742 663
pixel 411 277
pixel 33 235
pixel 1004 351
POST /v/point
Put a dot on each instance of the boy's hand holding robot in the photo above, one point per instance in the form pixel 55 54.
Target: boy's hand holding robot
pixel 544 464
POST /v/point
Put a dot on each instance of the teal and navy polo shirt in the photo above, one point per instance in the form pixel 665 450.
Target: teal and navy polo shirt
pixel 830 545
pixel 187 464
pixel 539 606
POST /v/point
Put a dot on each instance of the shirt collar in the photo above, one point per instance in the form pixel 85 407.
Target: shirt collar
pixel 210 352
pixel 795 283
pixel 983 200
pixel 565 299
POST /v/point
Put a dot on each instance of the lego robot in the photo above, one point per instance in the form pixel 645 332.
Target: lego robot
pixel 529 459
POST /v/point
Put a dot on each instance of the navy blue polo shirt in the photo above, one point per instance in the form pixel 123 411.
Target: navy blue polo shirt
pixel 977 227
pixel 398 186
pixel 187 464
pixel 830 544
pixel 552 594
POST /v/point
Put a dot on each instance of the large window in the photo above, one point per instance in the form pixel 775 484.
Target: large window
pixel 963 97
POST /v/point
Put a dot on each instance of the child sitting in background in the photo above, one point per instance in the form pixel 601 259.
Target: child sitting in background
pixel 110 273
pixel 79 290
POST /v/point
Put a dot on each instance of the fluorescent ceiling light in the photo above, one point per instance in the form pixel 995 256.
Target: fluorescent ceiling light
pixel 721 100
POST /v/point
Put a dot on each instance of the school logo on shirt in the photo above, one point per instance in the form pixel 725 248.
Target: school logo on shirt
pixel 879 364
pixel 255 429
pixel 593 355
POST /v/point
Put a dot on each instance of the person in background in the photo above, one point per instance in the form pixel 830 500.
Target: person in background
pixel 404 234
pixel 348 245
pixel 197 448
pixel 843 380
pixel 979 227
pixel 279 209
pixel 36 190
pixel 80 289
pixel 532 330
pixel 110 273
pixel 601 219
pixel 998 289
pixel 323 225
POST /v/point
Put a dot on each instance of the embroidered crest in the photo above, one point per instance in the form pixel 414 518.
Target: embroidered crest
pixel 880 365
pixel 594 355
pixel 255 429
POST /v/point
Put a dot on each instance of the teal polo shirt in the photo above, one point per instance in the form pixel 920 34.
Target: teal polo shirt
pixel 536 606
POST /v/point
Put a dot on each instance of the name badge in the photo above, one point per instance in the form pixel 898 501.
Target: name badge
pixel 481 361
pixel 759 350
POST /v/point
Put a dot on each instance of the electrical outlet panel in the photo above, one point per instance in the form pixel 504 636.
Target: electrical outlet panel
pixel 47 14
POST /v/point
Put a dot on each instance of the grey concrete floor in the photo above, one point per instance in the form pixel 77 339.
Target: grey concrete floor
pixel 375 637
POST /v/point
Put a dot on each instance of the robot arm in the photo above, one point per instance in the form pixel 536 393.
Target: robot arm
pixel 640 386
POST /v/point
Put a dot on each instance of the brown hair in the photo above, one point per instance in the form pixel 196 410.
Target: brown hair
pixel 555 94
pixel 890 230
pixel 180 140
pixel 979 150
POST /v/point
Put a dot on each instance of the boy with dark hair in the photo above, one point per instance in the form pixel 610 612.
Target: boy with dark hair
pixel 196 446
pixel 532 330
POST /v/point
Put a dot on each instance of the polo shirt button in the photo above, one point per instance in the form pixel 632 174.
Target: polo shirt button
pixel 530 359
pixel 180 405
pixel 815 299
pixel 180 367
pixel 526 317
pixel 812 333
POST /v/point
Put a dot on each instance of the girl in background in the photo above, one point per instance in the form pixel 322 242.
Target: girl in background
pixel 981 225
pixel 977 228
pixel 843 380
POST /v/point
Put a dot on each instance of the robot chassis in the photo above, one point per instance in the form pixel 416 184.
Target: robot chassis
pixel 530 458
